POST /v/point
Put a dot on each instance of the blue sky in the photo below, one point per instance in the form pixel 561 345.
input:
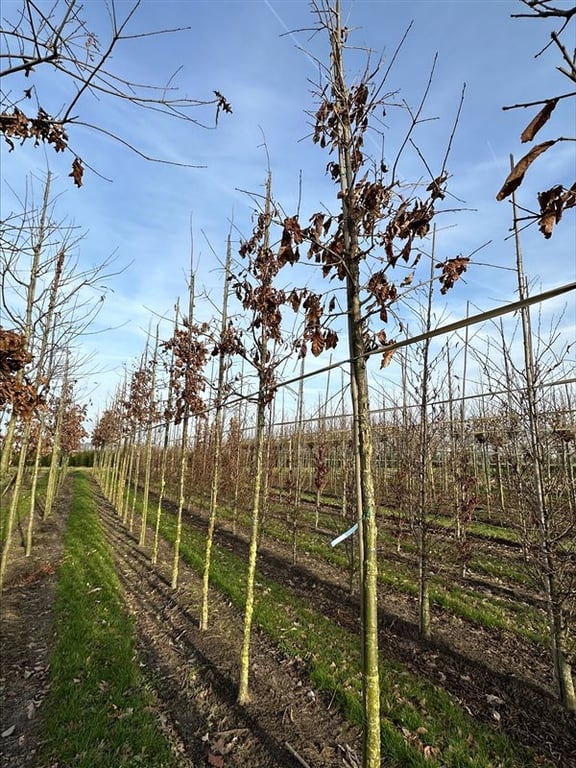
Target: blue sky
pixel 255 53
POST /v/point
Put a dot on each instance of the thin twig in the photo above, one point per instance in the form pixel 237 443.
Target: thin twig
pixel 296 755
pixel 540 101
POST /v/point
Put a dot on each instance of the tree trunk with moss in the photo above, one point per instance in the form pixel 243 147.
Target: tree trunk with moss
pixel 243 688
pixel 362 428
pixel 553 564
pixel 217 449
pixel 181 499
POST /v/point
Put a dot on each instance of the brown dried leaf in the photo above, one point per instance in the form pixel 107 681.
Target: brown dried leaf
pixel 553 202
pixel 539 121
pixel 387 357
pixel 331 340
pixel 516 175
pixel 452 269
pixel 437 187
pixel 294 299
pixel 77 171
pixel 407 280
pixel 317 343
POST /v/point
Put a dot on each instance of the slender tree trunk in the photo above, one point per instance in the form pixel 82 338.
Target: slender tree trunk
pixel 135 480
pixel 33 491
pixel 165 449
pixel 265 486
pixel 262 364
pixel 217 445
pixel 125 469
pixel 362 430
pixel 181 499
pixel 148 449
pixel 298 474
pixel 561 666
pixel 243 689
pixel 422 524
pixel 162 489
pixel 53 473
pixel 13 511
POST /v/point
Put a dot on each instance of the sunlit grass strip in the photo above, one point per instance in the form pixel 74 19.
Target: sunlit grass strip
pixel 494 567
pixel 474 606
pixel 490 531
pixel 421 724
pixel 99 711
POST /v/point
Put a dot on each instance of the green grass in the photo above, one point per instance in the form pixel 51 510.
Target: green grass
pixel 422 725
pixel 99 712
pixel 500 569
pixel 474 606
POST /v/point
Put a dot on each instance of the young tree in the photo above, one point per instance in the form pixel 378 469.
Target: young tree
pixel 168 415
pixel 263 347
pixel 34 242
pixel 149 393
pixel 50 309
pixel 555 530
pixel 220 396
pixel 66 426
pixel 106 437
pixel 381 217
pixel 188 354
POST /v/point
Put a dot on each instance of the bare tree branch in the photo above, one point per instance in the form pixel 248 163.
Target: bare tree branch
pixel 554 201
pixel 60 37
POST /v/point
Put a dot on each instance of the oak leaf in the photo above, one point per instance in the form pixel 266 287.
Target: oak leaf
pixel 553 202
pixel 452 269
pixel 331 340
pixel 317 343
pixel 77 171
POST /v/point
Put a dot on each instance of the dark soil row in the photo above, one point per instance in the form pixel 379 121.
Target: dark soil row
pixel 195 673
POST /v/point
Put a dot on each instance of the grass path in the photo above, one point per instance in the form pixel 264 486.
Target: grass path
pixel 100 711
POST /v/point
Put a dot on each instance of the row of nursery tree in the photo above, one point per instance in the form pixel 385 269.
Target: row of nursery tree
pixel 466 434
pixel 200 420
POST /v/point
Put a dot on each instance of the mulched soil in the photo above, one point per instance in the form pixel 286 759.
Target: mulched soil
pixel 286 724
